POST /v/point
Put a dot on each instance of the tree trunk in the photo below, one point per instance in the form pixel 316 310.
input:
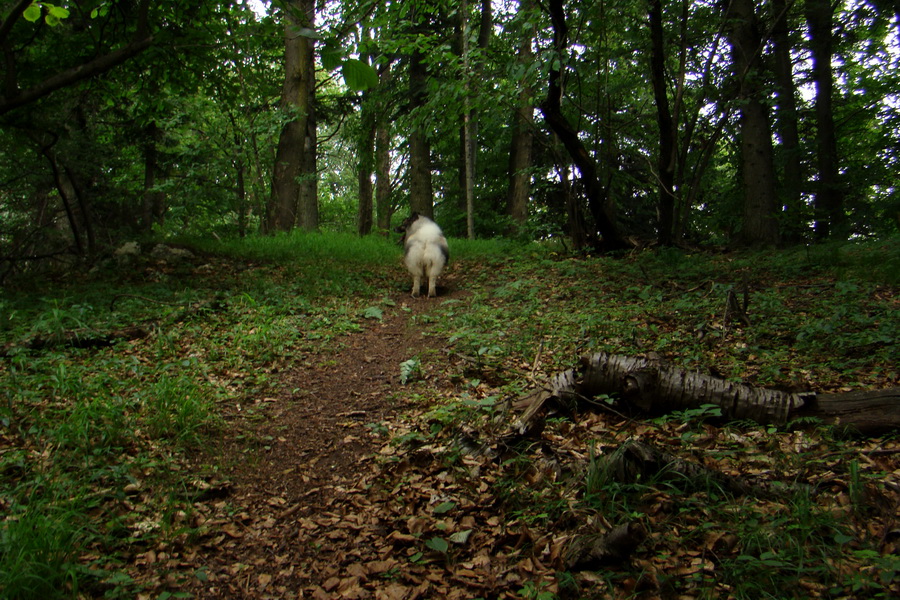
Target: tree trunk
pixel 240 188
pixel 366 153
pixel 153 206
pixel 421 195
pixel 787 120
pixel 84 207
pixel 551 108
pixel 520 151
pixel 829 203
pixel 294 141
pixel 666 158
pixel 364 171
pixel 308 201
pixel 66 193
pixel 760 225
pixel 383 206
pixel 468 141
pixel 656 388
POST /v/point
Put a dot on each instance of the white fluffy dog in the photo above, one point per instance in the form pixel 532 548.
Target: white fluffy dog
pixel 425 251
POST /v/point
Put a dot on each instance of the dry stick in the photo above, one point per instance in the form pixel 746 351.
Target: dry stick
pixel 537 359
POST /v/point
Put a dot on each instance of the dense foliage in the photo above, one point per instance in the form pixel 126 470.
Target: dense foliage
pixel 119 118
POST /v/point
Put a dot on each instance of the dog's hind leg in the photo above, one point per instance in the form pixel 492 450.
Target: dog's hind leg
pixel 417 284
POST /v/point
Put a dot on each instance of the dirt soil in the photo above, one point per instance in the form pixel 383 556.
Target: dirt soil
pixel 293 519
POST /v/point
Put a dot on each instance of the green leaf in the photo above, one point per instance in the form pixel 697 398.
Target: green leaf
pixel 373 312
pixel 444 507
pixel 332 57
pixel 461 537
pixel 32 13
pixel 842 538
pixel 408 370
pixel 57 11
pixel 358 75
pixel 438 544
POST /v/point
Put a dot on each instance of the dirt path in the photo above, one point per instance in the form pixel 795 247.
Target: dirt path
pixel 279 529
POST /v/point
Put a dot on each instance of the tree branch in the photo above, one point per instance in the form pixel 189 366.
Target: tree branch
pixel 7 23
pixel 75 74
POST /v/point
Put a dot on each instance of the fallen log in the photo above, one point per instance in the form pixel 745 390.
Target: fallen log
pixel 655 387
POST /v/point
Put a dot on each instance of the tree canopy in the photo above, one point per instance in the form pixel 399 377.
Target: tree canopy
pixel 674 122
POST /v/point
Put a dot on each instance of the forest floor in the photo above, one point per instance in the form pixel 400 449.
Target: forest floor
pixel 302 518
pixel 285 421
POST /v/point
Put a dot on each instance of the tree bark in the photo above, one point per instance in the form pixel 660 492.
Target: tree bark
pixel 787 121
pixel 469 126
pixel 383 208
pixel 551 108
pixel 66 193
pixel 366 153
pixel 760 226
pixel 421 194
pixel 521 145
pixel 295 140
pixel 655 388
pixel 829 202
pixel 308 198
pixel 666 158
pixel 84 207
pixel 153 200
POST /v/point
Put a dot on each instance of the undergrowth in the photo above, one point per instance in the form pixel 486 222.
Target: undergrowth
pixel 96 442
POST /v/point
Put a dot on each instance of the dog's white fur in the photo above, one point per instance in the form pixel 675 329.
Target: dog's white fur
pixel 426 252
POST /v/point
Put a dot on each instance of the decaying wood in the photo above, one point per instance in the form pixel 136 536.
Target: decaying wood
pixel 561 386
pixel 655 387
pixel 589 552
pixel 870 412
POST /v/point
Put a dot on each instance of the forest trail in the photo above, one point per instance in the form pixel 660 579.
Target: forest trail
pixel 282 526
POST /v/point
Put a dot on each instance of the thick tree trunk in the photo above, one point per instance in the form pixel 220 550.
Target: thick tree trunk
pixel 383 208
pixel 153 206
pixel 366 165
pixel 656 388
pixel 666 158
pixel 787 120
pixel 829 203
pixel 308 199
pixel 551 108
pixel 291 162
pixel 421 194
pixel 469 125
pixel 760 225
pixel 520 151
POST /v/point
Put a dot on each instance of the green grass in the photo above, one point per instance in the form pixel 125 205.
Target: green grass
pixel 305 247
pixel 39 547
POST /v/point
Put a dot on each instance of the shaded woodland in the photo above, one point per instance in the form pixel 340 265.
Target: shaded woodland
pixel 662 361
pixel 610 125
